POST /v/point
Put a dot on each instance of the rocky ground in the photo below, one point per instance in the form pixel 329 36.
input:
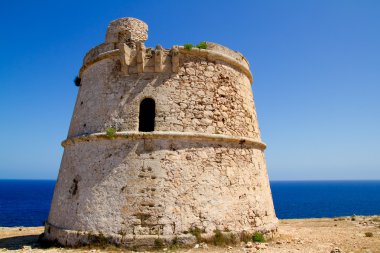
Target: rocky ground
pixel 343 234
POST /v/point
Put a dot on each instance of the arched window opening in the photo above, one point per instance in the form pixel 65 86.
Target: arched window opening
pixel 147 115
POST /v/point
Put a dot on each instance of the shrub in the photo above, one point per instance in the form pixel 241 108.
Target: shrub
pixel 202 45
pixel 245 237
pixel 188 46
pixel 77 81
pixel 258 237
pixel 159 243
pixel 176 244
pixel 233 239
pixel 110 132
pixel 219 238
pixel 353 217
pixel 368 234
pixel 195 231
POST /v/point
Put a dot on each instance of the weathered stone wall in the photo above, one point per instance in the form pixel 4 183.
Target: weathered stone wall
pixel 203 166
pixel 162 187
pixel 203 96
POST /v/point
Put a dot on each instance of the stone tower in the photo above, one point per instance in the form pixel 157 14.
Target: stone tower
pixel 186 153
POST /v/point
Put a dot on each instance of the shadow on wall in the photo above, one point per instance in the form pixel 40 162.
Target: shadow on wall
pixel 135 87
pixel 137 83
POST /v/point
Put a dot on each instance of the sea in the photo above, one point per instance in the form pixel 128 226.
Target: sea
pixel 27 202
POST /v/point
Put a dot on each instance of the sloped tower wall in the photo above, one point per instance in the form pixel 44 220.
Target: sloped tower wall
pixel 203 165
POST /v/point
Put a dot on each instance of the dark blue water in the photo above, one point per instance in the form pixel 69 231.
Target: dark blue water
pixel 316 199
pixel 27 202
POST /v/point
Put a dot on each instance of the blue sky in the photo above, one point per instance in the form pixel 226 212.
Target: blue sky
pixel 316 66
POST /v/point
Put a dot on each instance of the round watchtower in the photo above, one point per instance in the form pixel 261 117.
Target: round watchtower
pixel 161 142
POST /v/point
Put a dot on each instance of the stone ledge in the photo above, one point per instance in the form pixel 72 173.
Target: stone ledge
pixel 73 238
pixel 135 135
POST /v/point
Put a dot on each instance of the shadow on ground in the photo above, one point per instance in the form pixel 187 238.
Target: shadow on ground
pixel 18 242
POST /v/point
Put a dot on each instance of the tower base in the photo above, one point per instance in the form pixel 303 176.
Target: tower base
pixel 74 238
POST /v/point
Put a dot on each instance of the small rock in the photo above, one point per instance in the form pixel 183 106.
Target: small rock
pixel 249 250
pixel 260 246
pixel 210 68
pixel 208 73
pixel 203 245
pixel 229 247
pixel 190 71
pixel 279 242
pixel 26 247
pixel 196 246
pixel 249 245
pixel 335 250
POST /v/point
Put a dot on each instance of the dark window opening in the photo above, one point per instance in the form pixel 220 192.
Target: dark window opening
pixel 147 115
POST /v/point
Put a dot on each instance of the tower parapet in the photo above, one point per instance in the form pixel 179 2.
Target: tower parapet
pixel 186 153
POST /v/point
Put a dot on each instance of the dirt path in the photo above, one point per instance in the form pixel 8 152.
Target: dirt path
pixel 296 235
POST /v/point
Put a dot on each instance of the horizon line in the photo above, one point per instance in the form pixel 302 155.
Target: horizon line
pixel 273 180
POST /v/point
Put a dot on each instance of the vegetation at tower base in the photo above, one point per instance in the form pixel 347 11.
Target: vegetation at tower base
pixel 196 172
pixel 197 232
pixel 301 235
pixel 258 237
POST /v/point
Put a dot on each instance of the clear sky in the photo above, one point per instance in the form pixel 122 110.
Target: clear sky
pixel 316 66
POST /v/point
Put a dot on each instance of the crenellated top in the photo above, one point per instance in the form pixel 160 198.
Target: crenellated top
pixel 125 41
